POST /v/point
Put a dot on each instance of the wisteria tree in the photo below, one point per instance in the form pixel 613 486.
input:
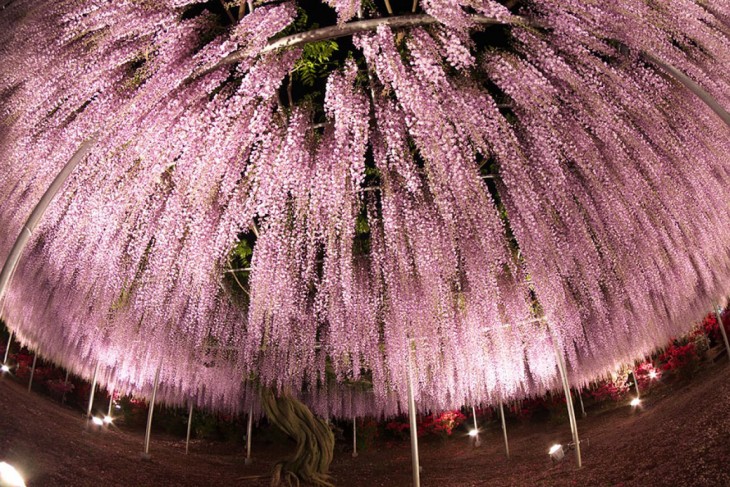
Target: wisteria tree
pixel 432 193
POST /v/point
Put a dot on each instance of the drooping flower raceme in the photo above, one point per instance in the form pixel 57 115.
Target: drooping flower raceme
pixel 462 209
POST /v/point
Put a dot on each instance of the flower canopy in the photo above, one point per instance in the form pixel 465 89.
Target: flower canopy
pixel 466 192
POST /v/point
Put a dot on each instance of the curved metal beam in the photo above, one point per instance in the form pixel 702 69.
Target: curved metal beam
pixel 40 209
pixel 690 84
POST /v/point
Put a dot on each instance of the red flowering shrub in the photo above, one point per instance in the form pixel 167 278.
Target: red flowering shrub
pixel 442 424
pixel 58 387
pixel 610 389
pixel 683 357
pixel 645 374
pixel 526 409
pixel 710 327
pixel 398 427
pixel 521 410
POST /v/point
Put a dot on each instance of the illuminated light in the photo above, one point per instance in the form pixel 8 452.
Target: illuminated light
pixel 557 453
pixel 97 421
pixel 635 401
pixel 9 476
pixel 117 406
pixel 473 433
pixel 5 368
pixel 653 374
pixel 108 419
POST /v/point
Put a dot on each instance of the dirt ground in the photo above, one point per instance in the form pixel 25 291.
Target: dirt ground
pixel 681 436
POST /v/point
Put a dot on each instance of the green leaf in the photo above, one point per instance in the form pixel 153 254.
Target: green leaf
pixel 316 62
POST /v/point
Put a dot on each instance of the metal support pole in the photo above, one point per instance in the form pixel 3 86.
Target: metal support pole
pixel 111 402
pixel 477 440
pixel 722 330
pixel 32 371
pixel 414 428
pixel 504 428
pixel 249 430
pixel 65 385
pixel 7 348
pixel 190 422
pixel 354 437
pixel 150 412
pixel 580 399
pixel 636 383
pixel 568 400
pixel 93 389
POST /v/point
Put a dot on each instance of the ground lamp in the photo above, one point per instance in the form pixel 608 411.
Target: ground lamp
pixel 557 453
pixel 9 476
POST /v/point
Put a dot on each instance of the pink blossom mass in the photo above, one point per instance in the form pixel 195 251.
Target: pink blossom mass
pixel 453 206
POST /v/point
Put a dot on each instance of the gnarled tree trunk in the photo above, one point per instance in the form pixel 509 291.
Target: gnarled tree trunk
pixel 315 442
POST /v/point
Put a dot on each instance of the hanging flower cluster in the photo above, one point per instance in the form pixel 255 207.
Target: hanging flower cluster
pixel 463 211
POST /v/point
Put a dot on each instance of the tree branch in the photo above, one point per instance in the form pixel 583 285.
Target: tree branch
pixel 348 29
pixel 337 31
pixel 228 12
